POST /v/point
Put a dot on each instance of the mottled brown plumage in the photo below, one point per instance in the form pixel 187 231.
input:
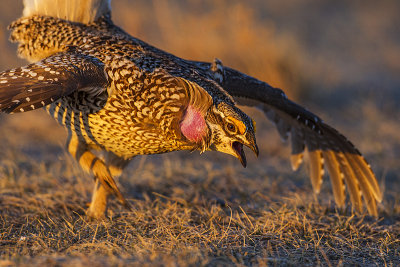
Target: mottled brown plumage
pixel 117 94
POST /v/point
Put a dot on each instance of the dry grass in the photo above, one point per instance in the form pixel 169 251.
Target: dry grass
pixel 192 209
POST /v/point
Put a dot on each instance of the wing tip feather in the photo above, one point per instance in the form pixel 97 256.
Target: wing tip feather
pixel 296 160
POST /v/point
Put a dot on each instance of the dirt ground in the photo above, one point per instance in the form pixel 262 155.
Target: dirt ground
pixel 340 60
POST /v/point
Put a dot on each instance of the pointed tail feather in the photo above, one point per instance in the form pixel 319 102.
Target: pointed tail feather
pixel 84 11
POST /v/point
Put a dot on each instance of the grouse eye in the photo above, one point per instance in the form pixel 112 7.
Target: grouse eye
pixel 231 127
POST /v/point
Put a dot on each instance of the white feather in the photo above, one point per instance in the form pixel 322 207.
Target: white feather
pixel 84 11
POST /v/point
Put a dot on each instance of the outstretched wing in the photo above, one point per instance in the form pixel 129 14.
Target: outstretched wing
pixel 39 84
pixel 310 135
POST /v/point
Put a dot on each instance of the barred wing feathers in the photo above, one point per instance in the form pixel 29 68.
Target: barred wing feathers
pixel 323 145
pixel 42 83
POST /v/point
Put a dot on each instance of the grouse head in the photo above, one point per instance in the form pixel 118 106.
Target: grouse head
pixel 230 129
pixel 215 126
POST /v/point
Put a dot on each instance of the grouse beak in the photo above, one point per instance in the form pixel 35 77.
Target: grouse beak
pixel 252 144
pixel 238 148
pixel 254 148
pixel 239 152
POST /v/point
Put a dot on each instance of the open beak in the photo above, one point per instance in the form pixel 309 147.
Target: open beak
pixel 238 148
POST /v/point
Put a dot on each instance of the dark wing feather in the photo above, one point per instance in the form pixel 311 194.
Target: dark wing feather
pixel 39 84
pixel 324 145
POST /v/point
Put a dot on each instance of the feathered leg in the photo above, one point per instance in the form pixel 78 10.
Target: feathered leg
pixel 98 206
pixel 105 184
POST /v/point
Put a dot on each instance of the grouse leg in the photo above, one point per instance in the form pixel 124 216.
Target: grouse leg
pixel 105 184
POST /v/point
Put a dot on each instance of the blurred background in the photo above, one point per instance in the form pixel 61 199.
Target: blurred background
pixel 340 59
